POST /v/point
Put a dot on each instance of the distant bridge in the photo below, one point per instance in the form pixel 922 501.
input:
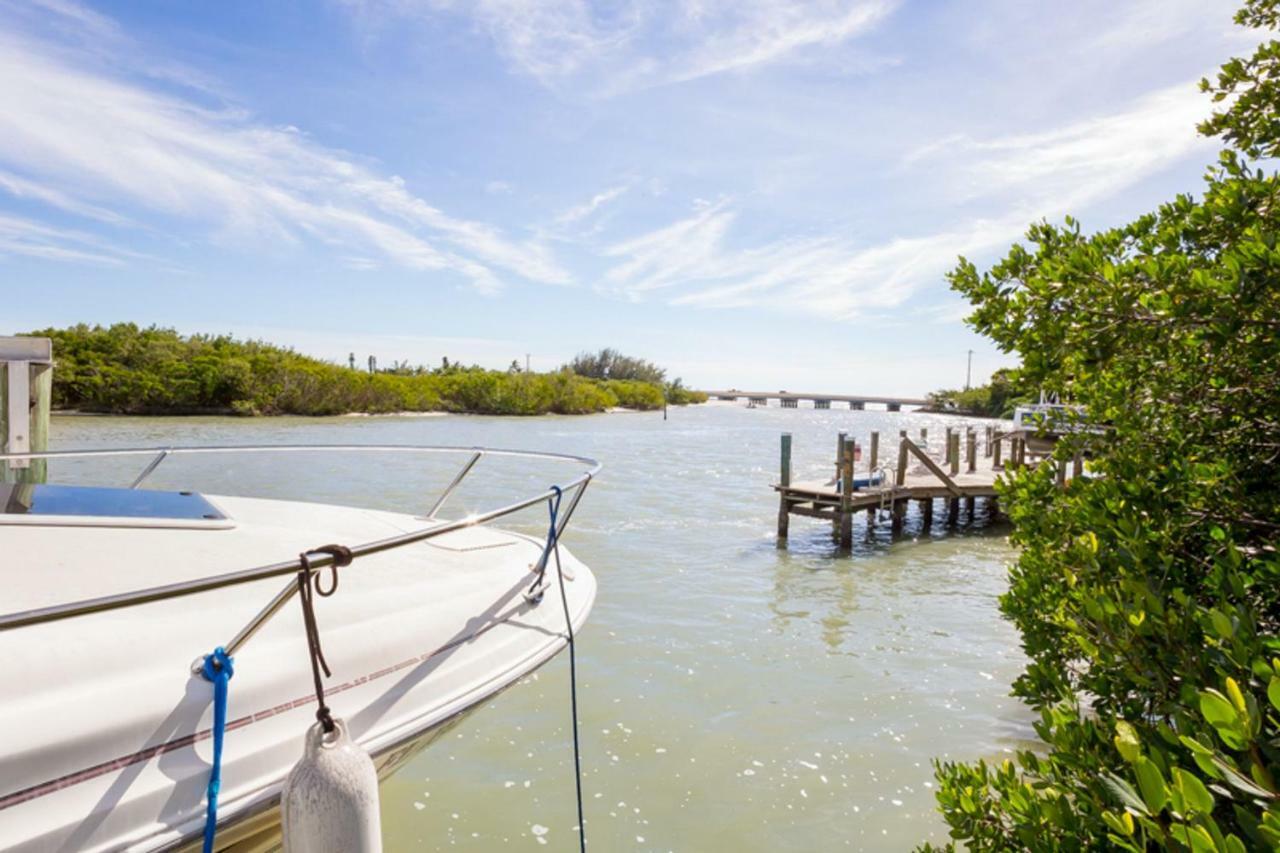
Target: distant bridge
pixel 791 399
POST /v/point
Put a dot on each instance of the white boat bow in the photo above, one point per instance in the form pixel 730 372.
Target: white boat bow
pixel 105 728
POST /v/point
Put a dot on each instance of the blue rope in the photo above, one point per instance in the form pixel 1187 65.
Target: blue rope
pixel 218 669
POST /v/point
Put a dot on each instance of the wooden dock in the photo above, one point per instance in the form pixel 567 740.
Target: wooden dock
pixel 964 468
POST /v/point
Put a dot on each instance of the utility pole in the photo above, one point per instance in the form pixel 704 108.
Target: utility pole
pixel 968 371
pixel 526 362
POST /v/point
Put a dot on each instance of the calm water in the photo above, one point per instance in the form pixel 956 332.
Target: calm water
pixel 733 696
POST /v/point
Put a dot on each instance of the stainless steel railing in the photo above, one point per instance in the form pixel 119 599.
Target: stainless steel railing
pixel 571 490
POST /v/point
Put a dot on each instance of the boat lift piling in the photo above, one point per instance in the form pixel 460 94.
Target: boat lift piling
pixel 26 396
pixel 965 470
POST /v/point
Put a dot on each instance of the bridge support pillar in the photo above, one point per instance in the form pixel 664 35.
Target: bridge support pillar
pixel 857 405
pixel 894 407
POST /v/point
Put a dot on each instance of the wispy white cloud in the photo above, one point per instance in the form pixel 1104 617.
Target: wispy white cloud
pixel 582 211
pixel 1022 178
pixel 641 43
pixel 1077 163
pixel 1143 23
pixel 27 237
pixel 693 263
pixel 22 188
pixel 123 146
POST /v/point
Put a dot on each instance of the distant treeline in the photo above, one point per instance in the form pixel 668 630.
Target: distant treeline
pixel 997 399
pixel 126 369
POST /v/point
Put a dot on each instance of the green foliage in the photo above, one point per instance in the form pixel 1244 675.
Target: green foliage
pixel 611 364
pixel 1148 596
pixel 635 395
pixel 678 395
pixel 132 370
pixel 996 399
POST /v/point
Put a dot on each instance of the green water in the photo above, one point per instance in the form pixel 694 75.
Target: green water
pixel 733 696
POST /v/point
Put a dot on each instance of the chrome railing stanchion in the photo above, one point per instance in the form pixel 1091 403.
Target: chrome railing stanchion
pixel 457 481
pixel 146 472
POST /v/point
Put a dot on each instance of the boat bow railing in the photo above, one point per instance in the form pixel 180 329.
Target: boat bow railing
pixel 572 491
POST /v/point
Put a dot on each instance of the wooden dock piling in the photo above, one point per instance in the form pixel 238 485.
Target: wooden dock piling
pixel 846 495
pixel 840 437
pixel 784 509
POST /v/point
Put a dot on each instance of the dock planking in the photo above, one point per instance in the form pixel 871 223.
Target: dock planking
pixel 966 470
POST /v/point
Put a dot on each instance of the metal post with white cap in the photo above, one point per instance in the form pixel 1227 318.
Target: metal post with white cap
pixel 26 392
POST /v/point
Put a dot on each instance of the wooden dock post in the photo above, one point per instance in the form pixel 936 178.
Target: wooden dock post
pixel 995 452
pixel 953 452
pixel 900 480
pixel 871 470
pixel 924 436
pixel 972 450
pixel 946 448
pixel 26 395
pixel 988 435
pixel 846 495
pixel 840 437
pixel 926 512
pixel 784 479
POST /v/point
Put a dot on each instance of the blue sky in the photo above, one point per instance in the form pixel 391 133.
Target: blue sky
pixel 750 192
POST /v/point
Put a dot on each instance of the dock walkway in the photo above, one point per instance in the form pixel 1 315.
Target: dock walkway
pixel 966 469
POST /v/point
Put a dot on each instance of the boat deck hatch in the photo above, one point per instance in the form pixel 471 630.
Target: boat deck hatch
pixel 95 502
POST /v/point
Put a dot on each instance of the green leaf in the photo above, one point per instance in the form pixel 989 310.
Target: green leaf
pixel 1273 692
pixel 1125 793
pixel 1127 741
pixel 1151 782
pixel 1223 716
pixel 1217 709
pixel 1121 823
pixel 1195 796
pixel 1240 782
pixel 1237 698
pixel 1194 837
pixel 1221 624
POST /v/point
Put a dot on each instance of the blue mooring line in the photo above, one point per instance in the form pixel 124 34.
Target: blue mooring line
pixel 218 669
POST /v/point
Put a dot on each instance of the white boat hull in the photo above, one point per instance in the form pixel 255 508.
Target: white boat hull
pixel 104 731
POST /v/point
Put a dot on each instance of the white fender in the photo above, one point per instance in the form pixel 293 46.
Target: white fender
pixel 330 799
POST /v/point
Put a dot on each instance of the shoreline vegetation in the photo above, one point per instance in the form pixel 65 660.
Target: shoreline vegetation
pixel 997 399
pixel 1147 593
pixel 131 370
